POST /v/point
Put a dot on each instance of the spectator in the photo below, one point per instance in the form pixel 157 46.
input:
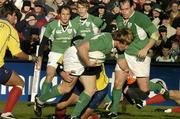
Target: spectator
pixel 165 57
pixel 55 4
pixel 147 8
pixel 2 2
pixel 165 20
pixel 29 46
pixel 26 8
pixel 175 43
pixel 156 13
pixel 51 15
pixel 24 26
pixel 40 12
pixel 163 33
pixel 107 17
pixel 177 35
pixel 175 50
pixel 174 11
pixel 74 11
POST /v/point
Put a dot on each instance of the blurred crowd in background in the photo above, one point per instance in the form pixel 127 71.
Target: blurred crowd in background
pixel 32 15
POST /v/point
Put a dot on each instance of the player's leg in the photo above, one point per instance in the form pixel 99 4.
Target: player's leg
pixel 89 84
pixel 69 99
pixel 10 78
pixel 158 86
pixel 94 103
pixel 53 57
pixel 88 80
pixel 174 94
pixel 141 69
pixel 57 90
pixel 120 78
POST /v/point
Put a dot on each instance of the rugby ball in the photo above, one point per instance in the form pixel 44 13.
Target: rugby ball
pixel 97 56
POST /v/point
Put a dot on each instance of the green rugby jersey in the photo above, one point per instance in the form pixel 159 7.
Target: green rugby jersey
pixel 89 27
pixel 61 38
pixel 102 42
pixel 141 27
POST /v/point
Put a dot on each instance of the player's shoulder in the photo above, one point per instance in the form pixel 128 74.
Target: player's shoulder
pixel 140 15
pixel 77 18
pixel 6 26
pixel 53 23
pixel 5 23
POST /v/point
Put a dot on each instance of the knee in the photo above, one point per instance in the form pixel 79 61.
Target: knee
pixel 20 83
pixel 90 92
pixel 144 89
pixel 118 84
pixel 64 90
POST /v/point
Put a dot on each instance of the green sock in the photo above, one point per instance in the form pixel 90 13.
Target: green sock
pixel 45 87
pixel 156 87
pixel 51 93
pixel 81 104
pixel 116 94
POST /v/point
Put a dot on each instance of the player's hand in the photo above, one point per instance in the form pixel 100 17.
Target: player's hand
pixel 142 53
pixel 33 58
pixel 67 77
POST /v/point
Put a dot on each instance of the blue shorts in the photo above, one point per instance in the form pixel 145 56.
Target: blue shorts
pixel 98 98
pixel 5 75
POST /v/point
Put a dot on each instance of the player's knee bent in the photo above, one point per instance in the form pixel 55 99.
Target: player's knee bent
pixel 64 90
pixel 144 88
pixel 20 83
pixel 136 93
pixel 118 84
pixel 90 92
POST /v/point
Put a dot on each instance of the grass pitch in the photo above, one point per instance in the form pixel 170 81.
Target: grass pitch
pixel 24 110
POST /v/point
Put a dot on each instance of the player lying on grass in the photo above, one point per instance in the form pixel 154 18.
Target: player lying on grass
pixel 86 72
pixel 133 94
pixel 162 95
pixel 159 98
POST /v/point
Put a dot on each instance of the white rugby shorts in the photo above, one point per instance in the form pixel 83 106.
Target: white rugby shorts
pixel 53 57
pixel 72 63
pixel 139 68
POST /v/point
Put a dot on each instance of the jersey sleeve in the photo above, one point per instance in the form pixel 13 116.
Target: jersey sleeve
pixel 99 22
pixel 147 25
pixel 50 27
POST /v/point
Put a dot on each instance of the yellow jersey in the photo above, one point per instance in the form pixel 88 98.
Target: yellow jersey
pixel 9 40
pixel 103 80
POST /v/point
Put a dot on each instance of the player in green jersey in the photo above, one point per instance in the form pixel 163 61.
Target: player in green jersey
pixel 135 60
pixel 86 73
pixel 60 32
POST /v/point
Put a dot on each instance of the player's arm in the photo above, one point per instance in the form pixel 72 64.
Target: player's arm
pixel 64 75
pixel 143 52
pixel 152 31
pixel 14 47
pixel 24 56
pixel 83 51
